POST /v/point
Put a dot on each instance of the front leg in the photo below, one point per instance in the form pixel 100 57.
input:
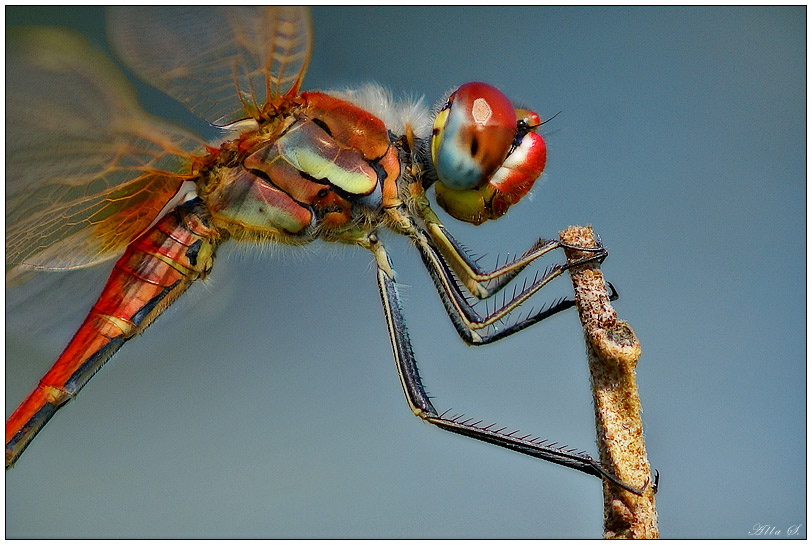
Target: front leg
pixel 449 266
pixel 480 282
pixel 422 407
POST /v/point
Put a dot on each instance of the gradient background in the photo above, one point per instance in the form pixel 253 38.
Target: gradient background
pixel 267 403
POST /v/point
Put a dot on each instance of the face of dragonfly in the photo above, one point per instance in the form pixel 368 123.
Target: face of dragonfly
pixel 485 153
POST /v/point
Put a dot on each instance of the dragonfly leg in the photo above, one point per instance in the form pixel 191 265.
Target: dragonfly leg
pixel 421 405
pixel 449 265
pixel 479 282
pixel 473 328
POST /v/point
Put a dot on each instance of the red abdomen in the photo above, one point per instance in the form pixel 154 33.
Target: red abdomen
pixel 155 269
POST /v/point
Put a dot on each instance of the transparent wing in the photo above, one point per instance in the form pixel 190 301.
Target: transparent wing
pixel 86 169
pixel 223 63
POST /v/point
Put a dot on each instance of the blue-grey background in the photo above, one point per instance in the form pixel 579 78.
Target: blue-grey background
pixel 267 404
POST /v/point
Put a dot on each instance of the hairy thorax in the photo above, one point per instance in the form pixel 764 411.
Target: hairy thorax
pixel 319 167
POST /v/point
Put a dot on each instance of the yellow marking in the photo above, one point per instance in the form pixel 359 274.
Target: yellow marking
pixel 127 328
pixel 54 395
pixel 410 136
pixel 438 132
pixel 183 269
pixel 317 166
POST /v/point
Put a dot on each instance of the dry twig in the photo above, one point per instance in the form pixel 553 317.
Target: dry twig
pixel 613 351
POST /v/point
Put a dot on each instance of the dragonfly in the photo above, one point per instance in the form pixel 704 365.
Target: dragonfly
pixel 93 178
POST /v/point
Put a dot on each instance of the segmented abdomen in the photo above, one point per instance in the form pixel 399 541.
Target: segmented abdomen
pixel 155 269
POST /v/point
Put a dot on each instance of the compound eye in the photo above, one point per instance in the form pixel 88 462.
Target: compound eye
pixel 472 135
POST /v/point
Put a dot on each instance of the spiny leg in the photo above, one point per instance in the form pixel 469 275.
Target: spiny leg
pixel 480 283
pixel 446 260
pixel 421 405
pixel 466 319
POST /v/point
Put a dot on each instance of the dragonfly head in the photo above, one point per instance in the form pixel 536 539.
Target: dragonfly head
pixel 486 153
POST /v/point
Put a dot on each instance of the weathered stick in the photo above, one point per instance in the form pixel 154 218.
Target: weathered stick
pixel 613 350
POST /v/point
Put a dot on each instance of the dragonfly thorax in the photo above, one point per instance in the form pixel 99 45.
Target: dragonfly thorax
pixel 325 167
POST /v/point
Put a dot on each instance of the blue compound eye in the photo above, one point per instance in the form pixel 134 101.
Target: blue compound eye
pixel 472 135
